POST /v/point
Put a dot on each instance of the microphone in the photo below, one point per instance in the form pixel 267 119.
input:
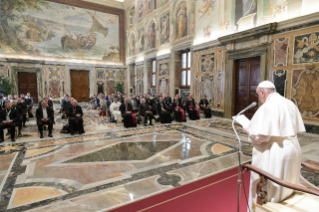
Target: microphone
pixel 248 108
pixel 239 181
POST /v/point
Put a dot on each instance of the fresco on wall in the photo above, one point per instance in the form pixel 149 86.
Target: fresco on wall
pixel 163 86
pixel 208 62
pixel 163 69
pixel 141 40
pixel 181 21
pixel 281 49
pixel 132 45
pixel 245 14
pixel 55 89
pixel 306 48
pixel 305 87
pixel 206 9
pixel 165 28
pixel 4 70
pixel 152 35
pixel 207 88
pixel 280 81
pixel 140 9
pixel 57 30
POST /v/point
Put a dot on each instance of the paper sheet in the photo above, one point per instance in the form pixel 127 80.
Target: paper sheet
pixel 242 120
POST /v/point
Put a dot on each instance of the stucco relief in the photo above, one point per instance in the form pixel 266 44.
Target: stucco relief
pixel 305 91
pixel 281 48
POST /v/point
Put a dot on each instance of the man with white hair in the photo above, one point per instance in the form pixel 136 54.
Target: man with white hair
pixel 75 114
pixel 273 132
pixel 44 116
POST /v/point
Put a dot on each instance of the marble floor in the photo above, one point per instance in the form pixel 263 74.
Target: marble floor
pixel 110 166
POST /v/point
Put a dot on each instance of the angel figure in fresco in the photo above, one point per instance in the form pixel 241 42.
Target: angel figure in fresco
pixel 206 8
pixel 182 22
pixel 165 29
pixel 151 35
pixel 278 10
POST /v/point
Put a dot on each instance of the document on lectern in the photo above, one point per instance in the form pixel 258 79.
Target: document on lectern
pixel 242 120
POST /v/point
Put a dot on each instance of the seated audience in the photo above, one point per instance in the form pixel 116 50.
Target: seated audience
pixel 115 110
pixel 8 119
pixel 164 114
pixel 179 113
pixel 192 111
pixel 146 112
pixel 75 114
pixel 19 110
pixel 203 104
pixel 44 116
pixel 129 117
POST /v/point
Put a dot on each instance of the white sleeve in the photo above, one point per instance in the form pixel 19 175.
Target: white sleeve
pixel 112 108
pixel 258 139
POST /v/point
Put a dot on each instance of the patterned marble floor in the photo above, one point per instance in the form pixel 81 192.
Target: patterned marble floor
pixel 110 166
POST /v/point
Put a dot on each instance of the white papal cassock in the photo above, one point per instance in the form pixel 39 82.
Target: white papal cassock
pixel 273 131
pixel 115 110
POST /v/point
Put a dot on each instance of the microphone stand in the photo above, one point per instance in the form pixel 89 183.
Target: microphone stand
pixel 239 181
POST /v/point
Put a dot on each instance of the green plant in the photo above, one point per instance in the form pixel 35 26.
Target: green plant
pixel 6 85
pixel 119 87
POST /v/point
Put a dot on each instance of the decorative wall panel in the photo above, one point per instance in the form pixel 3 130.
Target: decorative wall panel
pixel 106 85
pixel 306 48
pixel 54 78
pixel 280 81
pixel 281 49
pixel 305 87
pixel 208 76
pixel 4 70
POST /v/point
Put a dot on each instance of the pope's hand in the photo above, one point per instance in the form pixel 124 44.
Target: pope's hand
pixel 245 130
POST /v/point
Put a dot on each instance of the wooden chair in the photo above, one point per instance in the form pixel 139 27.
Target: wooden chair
pixel 303 200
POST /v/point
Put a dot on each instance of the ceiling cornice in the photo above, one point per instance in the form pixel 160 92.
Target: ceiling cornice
pixel 110 3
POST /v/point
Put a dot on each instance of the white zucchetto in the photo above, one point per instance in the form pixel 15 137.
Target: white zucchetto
pixel 266 84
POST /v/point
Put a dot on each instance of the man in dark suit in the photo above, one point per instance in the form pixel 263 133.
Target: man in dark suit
pixel 135 104
pixel 19 110
pixel 65 107
pixel 24 107
pixel 44 115
pixel 203 104
pixel 129 118
pixel 164 114
pixel 145 111
pixel 29 101
pixel 75 114
pixel 8 119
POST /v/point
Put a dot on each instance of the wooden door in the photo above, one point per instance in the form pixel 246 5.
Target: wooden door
pixel 80 85
pixel 27 83
pixel 247 80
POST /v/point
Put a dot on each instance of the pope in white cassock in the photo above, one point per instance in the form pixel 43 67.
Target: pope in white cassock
pixel 115 109
pixel 273 132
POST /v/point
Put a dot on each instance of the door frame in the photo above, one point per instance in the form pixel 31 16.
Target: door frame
pixel 82 70
pixel 91 70
pixel 14 78
pixel 230 76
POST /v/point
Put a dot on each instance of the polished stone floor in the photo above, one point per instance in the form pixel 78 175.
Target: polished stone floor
pixel 110 166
